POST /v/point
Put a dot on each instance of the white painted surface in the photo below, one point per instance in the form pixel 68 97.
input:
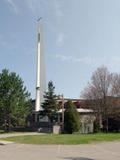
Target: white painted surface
pixel 40 79
pixel 80 110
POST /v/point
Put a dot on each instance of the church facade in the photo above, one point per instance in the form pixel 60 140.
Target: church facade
pixel 86 115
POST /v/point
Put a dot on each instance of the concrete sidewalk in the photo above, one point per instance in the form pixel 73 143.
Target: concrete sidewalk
pixel 5 142
pixel 96 151
pixel 4 135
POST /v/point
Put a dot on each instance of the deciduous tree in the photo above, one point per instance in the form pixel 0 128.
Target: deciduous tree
pixel 97 93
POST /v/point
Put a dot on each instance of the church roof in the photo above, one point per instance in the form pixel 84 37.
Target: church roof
pixel 80 110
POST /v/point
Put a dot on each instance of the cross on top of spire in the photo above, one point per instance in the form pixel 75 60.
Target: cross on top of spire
pixel 38 20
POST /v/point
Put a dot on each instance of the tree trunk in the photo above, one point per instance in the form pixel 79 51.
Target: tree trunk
pixel 9 122
pixel 100 122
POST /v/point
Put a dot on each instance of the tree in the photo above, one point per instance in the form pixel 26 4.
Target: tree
pixel 115 85
pixel 72 119
pixel 114 101
pixel 15 100
pixel 50 106
pixel 97 93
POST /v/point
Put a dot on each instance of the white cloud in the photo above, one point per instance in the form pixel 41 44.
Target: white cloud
pixel 50 8
pixel 57 8
pixel 85 60
pixel 33 5
pixel 111 62
pixel 51 11
pixel 64 58
pixel 60 39
pixel 13 5
pixel 45 7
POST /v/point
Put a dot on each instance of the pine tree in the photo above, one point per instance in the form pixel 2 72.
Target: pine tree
pixel 14 100
pixel 50 106
pixel 72 119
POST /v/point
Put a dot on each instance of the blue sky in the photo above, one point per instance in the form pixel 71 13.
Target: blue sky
pixel 79 36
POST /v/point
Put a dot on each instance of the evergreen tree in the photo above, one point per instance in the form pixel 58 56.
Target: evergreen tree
pixel 14 100
pixel 72 119
pixel 50 106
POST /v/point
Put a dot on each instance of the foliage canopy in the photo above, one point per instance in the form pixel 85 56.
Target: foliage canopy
pixel 50 106
pixel 14 100
pixel 72 119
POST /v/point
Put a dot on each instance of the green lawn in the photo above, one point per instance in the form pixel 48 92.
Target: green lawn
pixel 65 138
pixel 2 131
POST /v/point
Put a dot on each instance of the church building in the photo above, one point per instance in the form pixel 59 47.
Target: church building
pixel 87 117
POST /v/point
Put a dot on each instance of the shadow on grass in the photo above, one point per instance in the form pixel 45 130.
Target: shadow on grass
pixel 77 158
pixel 2 132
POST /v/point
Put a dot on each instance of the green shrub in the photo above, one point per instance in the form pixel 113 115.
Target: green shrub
pixel 72 119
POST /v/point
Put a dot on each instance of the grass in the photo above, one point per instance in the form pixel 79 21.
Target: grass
pixel 65 138
pixel 2 131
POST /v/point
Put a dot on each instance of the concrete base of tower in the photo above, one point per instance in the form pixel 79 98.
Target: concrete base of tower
pixel 37 119
pixel 40 124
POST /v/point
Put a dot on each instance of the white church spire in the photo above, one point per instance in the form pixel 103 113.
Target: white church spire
pixel 40 79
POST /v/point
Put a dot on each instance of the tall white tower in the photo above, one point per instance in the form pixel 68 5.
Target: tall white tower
pixel 40 79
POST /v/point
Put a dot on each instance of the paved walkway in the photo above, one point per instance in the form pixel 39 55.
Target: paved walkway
pixel 2 142
pixel 19 134
pixel 96 151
